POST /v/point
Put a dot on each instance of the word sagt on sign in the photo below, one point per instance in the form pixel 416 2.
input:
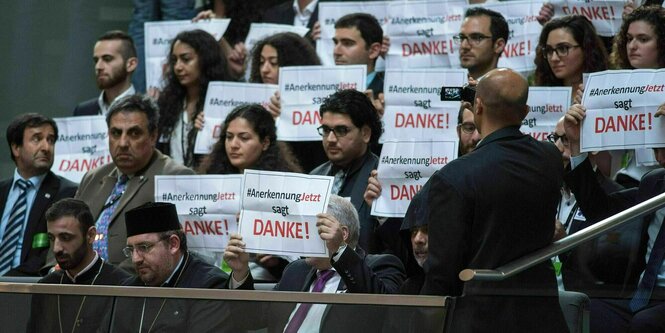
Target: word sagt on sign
pixel 207 206
pixel 279 212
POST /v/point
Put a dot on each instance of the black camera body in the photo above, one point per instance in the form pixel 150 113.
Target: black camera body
pixel 465 93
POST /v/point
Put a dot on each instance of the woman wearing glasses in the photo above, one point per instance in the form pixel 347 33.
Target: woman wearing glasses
pixel 568 46
pixel 248 141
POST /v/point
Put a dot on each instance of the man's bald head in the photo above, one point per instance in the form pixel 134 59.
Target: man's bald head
pixel 503 93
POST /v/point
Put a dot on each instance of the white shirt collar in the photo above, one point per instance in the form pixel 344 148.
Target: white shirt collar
pixel 104 108
pixel 87 268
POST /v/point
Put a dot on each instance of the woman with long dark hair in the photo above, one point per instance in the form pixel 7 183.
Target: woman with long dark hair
pixel 248 140
pixel 568 46
pixel 195 59
pixel 268 56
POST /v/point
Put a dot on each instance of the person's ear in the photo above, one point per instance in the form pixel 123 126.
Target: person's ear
pixel 366 133
pixel 374 50
pixel 174 244
pixel 499 45
pixel 91 234
pixel 346 234
pixel 265 143
pixel 130 64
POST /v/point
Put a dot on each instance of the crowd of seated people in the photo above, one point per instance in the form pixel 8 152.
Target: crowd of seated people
pixel 98 232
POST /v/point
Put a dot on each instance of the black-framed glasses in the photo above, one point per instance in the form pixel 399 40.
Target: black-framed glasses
pixel 339 130
pixel 561 50
pixel 474 39
pixel 142 249
pixel 553 138
pixel 467 128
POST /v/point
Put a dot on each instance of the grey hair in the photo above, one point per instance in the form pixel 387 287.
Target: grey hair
pixel 343 210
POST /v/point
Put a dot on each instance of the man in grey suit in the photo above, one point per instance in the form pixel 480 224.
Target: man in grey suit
pixel 129 181
pixel 115 60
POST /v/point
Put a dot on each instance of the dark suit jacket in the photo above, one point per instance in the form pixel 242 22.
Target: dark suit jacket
pixel 486 209
pixel 97 184
pixel 88 108
pixel 284 14
pixel 53 188
pixel 354 187
pixel 377 84
pixel 45 312
pixel 360 273
pixel 178 315
pixel 597 205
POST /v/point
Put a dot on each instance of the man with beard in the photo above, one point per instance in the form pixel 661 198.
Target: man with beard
pixel 350 125
pixel 115 61
pixel 28 193
pixel 71 231
pixel 481 40
pixel 157 246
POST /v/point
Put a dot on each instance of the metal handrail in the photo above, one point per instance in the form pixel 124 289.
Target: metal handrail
pixel 224 294
pixel 564 244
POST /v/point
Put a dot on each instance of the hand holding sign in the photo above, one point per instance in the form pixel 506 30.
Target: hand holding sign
pixel 236 257
pixel 331 231
pixel 572 126
pixel 373 188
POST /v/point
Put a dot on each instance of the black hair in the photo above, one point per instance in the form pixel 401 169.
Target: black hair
pixel 128 49
pixel 74 208
pixel 136 103
pixel 358 107
pixel 17 127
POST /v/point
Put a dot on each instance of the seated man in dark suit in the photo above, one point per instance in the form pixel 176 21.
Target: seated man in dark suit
pixel 642 309
pixel 115 61
pixel 71 230
pixel 348 269
pixel 25 197
pixel 157 246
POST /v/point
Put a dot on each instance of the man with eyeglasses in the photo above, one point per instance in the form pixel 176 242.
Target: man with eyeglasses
pixel 481 40
pixel 350 125
pixel 157 247
pixel 71 231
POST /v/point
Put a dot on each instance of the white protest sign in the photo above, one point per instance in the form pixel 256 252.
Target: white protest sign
pixel 158 37
pixel 620 106
pixel 279 212
pixel 523 33
pixel 82 145
pixel 404 167
pixel 304 88
pixel 606 16
pixel 421 33
pixel 414 109
pixel 546 106
pixel 207 206
pixel 330 12
pixel 221 98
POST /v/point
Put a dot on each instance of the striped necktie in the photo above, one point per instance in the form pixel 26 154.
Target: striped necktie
pixel 14 227
pixel 101 243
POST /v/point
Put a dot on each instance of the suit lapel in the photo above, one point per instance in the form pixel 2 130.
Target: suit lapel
pixel 133 186
pixel 4 193
pixel 45 195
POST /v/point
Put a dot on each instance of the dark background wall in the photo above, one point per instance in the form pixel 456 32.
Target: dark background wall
pixel 46 56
